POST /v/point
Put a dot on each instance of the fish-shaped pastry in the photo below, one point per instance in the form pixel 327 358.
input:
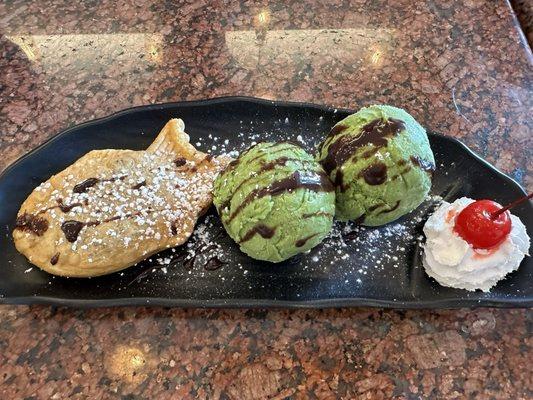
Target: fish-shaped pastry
pixel 114 208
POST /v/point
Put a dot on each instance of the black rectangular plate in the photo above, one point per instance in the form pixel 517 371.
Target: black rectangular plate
pixel 321 278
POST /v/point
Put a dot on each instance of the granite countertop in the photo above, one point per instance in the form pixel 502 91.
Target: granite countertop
pixel 462 68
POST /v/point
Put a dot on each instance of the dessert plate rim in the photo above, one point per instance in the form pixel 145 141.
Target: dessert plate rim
pixel 264 303
pixel 459 302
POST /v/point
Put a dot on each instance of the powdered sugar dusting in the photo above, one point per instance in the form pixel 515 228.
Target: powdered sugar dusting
pixel 363 252
pixel 146 192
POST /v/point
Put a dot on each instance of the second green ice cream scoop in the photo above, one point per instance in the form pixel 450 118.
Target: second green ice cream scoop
pixel 275 201
pixel 381 164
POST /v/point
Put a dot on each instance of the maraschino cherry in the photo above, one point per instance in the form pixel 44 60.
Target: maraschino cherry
pixel 484 223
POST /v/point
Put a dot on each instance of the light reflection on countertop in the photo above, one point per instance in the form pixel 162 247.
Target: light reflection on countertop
pixel 130 364
pixel 89 52
pixel 355 47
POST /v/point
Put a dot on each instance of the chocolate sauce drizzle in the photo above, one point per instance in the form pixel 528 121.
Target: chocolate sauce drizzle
pixel 174 228
pixel 375 174
pixel 265 166
pixel 186 259
pixel 388 210
pixel 337 129
pixel 427 166
pixel 67 207
pixel 213 264
pixel 374 133
pixel 301 242
pixel 72 228
pixel 63 207
pixel 316 181
pixel 282 161
pixel 374 207
pixel 31 223
pixel 54 259
pixel 271 151
pixel 339 180
pixel 89 183
pixel 188 263
pixel 370 152
pixel 139 185
pixel 232 165
pixel 352 235
pixel 199 250
pixel 359 220
pixel 317 214
pixel 261 229
pixel 384 211
pixel 268 166
pixel 180 162
pixel 85 185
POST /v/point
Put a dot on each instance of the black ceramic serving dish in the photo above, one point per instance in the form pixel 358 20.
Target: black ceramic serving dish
pixel 318 279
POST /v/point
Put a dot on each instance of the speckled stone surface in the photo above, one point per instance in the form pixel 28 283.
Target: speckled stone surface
pixel 461 68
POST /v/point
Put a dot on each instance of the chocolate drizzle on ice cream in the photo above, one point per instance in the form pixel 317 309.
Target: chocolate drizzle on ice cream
pixel 374 174
pixel 314 181
pixel 374 133
pixel 301 242
pixel 263 200
pixel 261 229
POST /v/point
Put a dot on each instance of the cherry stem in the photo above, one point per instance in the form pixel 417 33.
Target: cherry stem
pixel 495 214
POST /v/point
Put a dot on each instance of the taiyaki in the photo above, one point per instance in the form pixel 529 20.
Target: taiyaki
pixel 113 208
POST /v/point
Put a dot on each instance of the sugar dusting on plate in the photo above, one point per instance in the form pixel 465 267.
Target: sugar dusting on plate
pixel 210 253
pixel 377 249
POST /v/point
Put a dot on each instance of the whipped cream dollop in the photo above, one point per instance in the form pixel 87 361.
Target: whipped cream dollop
pixel 454 262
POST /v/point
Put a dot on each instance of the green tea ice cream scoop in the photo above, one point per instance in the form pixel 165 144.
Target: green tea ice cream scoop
pixel 275 201
pixel 380 162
